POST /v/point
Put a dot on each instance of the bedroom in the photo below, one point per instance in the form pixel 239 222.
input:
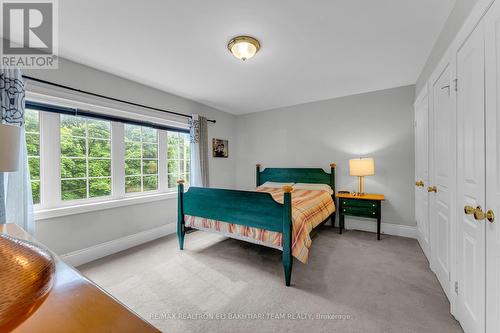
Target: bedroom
pixel 240 166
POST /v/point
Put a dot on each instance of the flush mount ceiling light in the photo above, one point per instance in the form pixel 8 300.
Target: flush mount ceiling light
pixel 243 47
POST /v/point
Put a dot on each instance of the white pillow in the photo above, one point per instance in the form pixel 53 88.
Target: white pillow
pixel 275 185
pixel 314 187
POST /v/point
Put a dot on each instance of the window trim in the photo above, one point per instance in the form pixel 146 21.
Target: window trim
pixel 78 111
pixel 86 207
pixel 51 203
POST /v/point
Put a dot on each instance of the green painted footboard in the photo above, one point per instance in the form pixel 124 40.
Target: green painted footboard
pixel 253 209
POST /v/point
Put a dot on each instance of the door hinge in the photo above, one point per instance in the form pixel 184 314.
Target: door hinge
pixel 456 84
pixel 456 287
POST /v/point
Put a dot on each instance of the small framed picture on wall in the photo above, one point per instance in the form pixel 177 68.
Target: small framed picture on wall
pixel 220 148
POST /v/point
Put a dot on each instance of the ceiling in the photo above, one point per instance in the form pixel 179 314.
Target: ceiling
pixel 311 50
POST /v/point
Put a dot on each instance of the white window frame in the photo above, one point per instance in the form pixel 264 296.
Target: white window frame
pixel 51 204
pixel 176 159
pixel 133 194
pixel 39 160
pixel 62 202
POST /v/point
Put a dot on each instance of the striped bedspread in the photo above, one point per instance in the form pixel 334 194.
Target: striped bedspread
pixel 309 209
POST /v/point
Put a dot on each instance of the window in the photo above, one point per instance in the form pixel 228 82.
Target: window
pixel 90 160
pixel 85 157
pixel 141 159
pixel 32 126
pixel 178 157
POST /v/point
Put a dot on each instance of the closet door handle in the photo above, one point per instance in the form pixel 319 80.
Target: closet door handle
pixel 490 216
pixel 479 215
pixel 469 210
pixel 432 189
pixel 419 183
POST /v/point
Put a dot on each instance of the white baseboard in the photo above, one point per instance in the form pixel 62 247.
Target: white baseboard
pixel 386 228
pixel 98 251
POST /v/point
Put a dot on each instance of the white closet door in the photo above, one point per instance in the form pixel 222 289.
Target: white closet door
pixel 441 159
pixel 492 27
pixel 470 300
pixel 422 172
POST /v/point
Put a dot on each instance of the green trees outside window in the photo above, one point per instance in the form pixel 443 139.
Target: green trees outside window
pixel 141 159
pixel 32 127
pixel 85 157
pixel 178 158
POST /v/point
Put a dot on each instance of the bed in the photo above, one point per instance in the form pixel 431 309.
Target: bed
pixel 278 217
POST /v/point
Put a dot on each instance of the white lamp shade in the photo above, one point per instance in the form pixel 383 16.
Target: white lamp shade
pixel 362 167
pixel 10 139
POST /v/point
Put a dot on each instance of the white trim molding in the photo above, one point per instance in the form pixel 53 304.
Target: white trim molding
pixel 102 250
pixel 44 214
pixel 386 228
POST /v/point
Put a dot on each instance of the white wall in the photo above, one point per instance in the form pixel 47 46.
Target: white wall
pixel 377 124
pixel 456 19
pixel 71 233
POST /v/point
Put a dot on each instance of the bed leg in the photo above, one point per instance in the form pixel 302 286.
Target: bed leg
pixel 287 234
pixel 287 267
pixel 181 227
pixel 333 166
pixel 180 235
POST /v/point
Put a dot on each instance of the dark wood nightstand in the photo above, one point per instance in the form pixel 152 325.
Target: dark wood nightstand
pixel 368 205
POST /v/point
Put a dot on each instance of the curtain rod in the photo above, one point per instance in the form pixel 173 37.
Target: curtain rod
pixel 85 113
pixel 110 98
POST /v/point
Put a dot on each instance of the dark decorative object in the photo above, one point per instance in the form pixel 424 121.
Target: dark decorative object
pixel 12 96
pixel 220 148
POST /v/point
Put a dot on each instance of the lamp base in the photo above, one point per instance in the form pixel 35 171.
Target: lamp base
pixel 361 186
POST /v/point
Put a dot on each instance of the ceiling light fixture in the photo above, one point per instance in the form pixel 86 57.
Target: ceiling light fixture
pixel 243 47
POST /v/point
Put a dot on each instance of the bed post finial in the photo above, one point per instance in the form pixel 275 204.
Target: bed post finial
pixel 333 166
pixel 287 189
pixel 257 174
pixel 181 228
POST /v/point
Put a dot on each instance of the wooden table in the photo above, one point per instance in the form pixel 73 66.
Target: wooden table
pixel 75 304
pixel 367 205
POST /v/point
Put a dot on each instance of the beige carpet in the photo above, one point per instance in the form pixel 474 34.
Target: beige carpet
pixel 352 283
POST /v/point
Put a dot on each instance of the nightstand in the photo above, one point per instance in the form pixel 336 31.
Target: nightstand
pixel 368 205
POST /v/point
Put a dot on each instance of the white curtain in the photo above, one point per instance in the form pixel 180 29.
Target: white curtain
pixel 15 187
pixel 199 151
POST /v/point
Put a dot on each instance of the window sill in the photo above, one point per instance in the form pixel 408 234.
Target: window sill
pixel 44 214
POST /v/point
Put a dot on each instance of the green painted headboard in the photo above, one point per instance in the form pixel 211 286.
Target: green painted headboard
pixel 296 175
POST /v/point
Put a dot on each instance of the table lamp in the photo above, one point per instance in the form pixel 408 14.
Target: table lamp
pixel 10 139
pixel 361 167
